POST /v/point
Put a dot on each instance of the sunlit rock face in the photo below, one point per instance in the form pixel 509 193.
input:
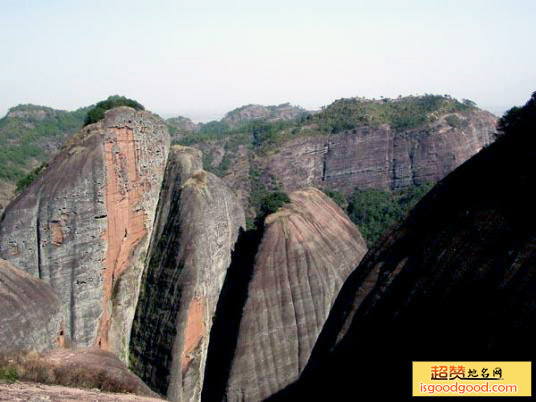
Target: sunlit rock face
pixel 308 248
pixel 84 225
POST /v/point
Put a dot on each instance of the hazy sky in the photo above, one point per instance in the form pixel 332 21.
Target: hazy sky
pixel 201 58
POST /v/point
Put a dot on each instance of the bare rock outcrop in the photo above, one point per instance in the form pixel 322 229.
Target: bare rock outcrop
pixel 84 225
pixel 30 312
pixel 308 248
pixel 381 157
pixel 456 278
pixel 196 227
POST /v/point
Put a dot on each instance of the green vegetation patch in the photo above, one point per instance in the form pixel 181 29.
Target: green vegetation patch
pixel 376 211
pixel 519 120
pixel 402 114
pixel 96 113
pixel 27 131
pixel 273 201
pixel 9 374
pixel 25 182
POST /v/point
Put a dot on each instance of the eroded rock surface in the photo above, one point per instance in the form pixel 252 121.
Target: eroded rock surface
pixel 84 225
pixel 367 157
pixel 381 157
pixel 456 278
pixel 196 228
pixel 308 248
pixel 30 312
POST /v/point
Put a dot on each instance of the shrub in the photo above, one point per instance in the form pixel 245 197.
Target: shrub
pixel 455 122
pixel 273 201
pixel 25 182
pixel 97 112
pixel 375 211
pixel 33 367
pixel 519 120
pixel 402 114
pixel 338 197
pixel 9 374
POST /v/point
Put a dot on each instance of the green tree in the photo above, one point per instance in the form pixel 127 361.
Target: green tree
pixel 273 201
pixel 375 211
pixel 97 112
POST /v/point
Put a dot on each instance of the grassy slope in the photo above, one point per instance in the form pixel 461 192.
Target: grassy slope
pixel 27 140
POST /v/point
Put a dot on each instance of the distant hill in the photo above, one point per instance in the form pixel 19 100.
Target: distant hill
pixel 353 144
pixel 462 262
pixel 29 136
pixel 246 113
pixel 181 126
pixel 350 149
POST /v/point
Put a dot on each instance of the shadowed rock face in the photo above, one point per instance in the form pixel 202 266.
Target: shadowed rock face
pixel 84 225
pixel 308 248
pixel 196 228
pixel 455 281
pixel 30 313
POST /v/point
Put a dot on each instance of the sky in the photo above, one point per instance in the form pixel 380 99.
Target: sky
pixel 201 58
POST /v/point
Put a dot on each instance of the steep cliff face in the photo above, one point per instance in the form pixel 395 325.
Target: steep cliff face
pixel 84 225
pixel 196 228
pixel 380 157
pixel 456 280
pixel 308 248
pixel 30 315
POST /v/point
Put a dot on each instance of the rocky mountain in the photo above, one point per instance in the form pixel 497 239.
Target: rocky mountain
pixel 29 136
pixel 181 126
pixel 307 249
pixel 31 315
pixel 455 280
pixel 248 113
pixel 196 227
pixel 354 143
pixel 141 250
pixel 84 225
pixel 149 258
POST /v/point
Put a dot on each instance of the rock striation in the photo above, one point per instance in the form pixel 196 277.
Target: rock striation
pixel 381 157
pixel 84 225
pixel 30 314
pixel 196 227
pixel 455 280
pixel 307 250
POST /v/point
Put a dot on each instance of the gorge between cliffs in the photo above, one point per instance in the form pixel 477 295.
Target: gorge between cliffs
pixel 204 267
